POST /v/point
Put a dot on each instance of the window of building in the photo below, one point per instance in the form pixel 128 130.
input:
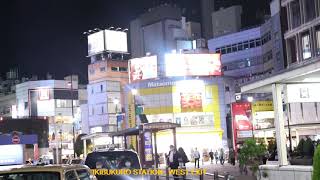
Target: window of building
pixel 25 105
pixel 248 62
pixel 246 45
pixel 102 109
pixel 223 50
pixel 310 9
pixel 258 42
pixel 240 46
pixel 225 68
pixel 252 44
pixel 114 69
pixel 101 87
pixel 318 40
pixel 295 13
pixel 234 48
pixel 92 91
pixel 123 69
pixel 228 49
pixel 292 51
pixel 61 103
pixel 102 69
pixel 306 49
pixel 91 71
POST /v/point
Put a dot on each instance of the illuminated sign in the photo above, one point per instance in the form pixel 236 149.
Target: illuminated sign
pixel 11 154
pixel 116 41
pixel 95 43
pixel 193 64
pixel 143 68
pixel 303 93
pixel 148 146
pixel 242 120
pixel 190 102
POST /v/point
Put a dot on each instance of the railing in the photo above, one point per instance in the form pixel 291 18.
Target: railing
pixel 191 176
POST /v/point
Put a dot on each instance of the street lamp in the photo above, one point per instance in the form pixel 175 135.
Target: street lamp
pixel 134 91
pixel 250 98
pixel 73 133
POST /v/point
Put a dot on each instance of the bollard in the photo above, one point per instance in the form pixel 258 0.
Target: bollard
pixel 226 175
pixel 167 173
pixel 201 176
pixel 215 175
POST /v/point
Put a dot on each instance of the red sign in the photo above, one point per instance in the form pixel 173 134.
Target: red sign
pixel 15 139
pixel 190 102
pixel 242 116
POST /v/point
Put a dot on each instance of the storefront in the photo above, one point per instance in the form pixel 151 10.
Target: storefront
pixel 197 104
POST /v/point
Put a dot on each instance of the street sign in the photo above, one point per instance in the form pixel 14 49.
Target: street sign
pixel 15 139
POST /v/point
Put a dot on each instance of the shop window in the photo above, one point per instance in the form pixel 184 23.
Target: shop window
pixel 114 69
pixel 310 10
pixel 295 13
pixel 306 49
pixel 318 40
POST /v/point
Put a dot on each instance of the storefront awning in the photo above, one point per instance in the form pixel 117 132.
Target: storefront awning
pixel 309 73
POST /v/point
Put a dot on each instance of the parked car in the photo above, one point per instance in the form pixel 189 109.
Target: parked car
pixel 52 172
pixel 114 159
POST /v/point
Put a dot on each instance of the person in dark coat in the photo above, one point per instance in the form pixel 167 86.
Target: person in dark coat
pixel 211 156
pixel 173 159
pixel 184 158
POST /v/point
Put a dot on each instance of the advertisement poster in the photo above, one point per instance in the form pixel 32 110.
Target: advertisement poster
pixel 11 154
pixel 148 146
pixel 116 41
pixel 191 102
pixel 193 64
pixel 242 119
pixel 143 68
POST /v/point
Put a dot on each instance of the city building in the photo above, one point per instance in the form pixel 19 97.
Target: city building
pixel 226 21
pixel 251 53
pixel 161 30
pixel 54 100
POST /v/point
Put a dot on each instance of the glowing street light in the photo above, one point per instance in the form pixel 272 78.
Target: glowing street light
pixel 250 98
pixel 134 91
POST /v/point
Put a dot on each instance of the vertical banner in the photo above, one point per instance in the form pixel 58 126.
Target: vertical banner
pixel 148 146
pixel 242 120
pixel 131 119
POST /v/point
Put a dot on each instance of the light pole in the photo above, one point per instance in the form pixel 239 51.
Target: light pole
pixel 73 132
pixel 250 99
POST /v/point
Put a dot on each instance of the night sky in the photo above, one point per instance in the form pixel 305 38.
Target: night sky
pixel 40 36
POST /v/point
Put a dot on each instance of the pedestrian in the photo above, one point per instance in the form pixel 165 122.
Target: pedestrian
pixel 221 156
pixel 232 157
pixel 173 159
pixel 216 155
pixel 211 156
pixel 184 158
pixel 196 156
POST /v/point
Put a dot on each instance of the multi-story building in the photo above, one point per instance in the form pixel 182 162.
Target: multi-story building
pixel 106 81
pixel 55 100
pixel 252 53
pixel 160 31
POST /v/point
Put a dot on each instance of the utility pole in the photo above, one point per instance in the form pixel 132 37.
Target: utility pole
pixel 73 130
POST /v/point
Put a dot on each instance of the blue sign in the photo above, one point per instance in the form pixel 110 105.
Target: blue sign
pixel 148 146
pixel 22 139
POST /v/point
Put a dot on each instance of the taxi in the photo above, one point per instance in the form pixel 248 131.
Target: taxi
pixel 52 172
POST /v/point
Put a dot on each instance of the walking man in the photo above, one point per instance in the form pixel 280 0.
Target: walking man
pixel 196 156
pixel 173 159
pixel 211 156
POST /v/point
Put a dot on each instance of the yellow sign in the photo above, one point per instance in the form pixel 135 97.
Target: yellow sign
pixel 131 118
pixel 262 106
pixel 159 172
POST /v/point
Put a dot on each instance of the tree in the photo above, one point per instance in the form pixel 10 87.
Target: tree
pixel 316 164
pixel 78 146
pixel 251 154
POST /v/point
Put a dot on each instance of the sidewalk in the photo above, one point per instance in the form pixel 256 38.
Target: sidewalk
pixel 221 169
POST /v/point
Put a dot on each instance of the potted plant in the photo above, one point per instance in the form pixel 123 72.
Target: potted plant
pixel 316 164
pixel 303 153
pixel 251 155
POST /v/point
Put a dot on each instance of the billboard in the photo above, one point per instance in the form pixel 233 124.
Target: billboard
pixel 242 119
pixel 11 154
pixel 95 43
pixel 116 41
pixel 193 64
pixel 143 68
